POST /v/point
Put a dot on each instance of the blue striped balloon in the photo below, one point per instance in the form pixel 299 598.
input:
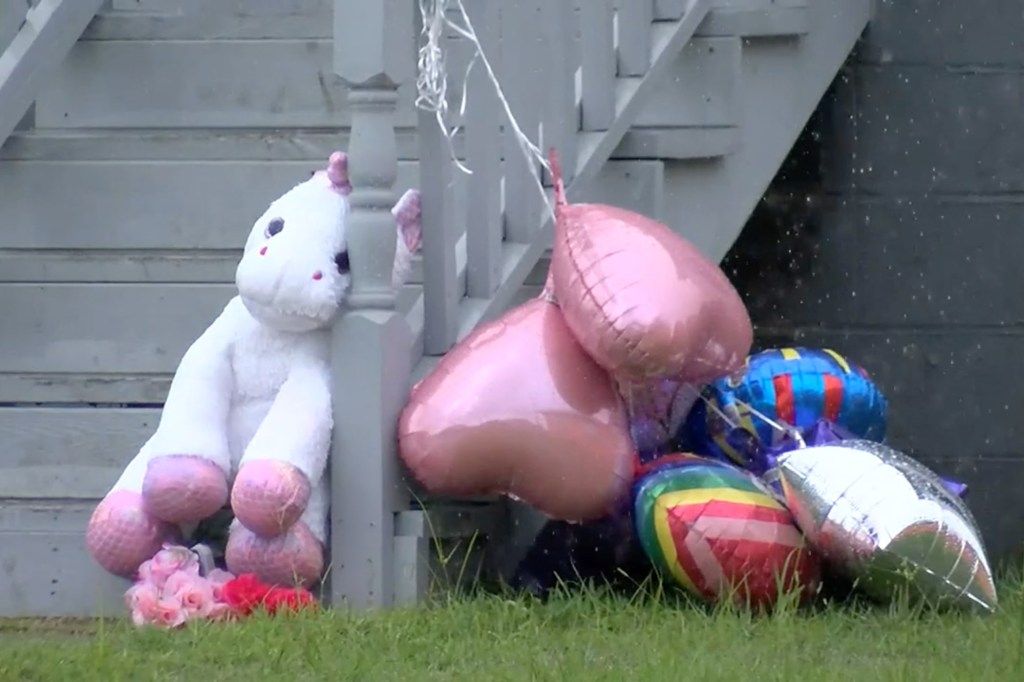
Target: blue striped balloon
pixel 795 386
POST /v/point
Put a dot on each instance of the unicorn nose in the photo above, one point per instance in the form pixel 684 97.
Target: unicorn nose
pixel 318 275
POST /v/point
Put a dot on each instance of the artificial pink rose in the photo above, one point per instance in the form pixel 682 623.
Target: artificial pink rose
pixel 193 592
pixel 142 600
pixel 169 614
pixel 168 560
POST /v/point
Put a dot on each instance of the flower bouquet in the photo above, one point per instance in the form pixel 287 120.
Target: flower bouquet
pixel 173 589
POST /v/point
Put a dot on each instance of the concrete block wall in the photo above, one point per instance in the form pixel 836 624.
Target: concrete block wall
pixel 895 234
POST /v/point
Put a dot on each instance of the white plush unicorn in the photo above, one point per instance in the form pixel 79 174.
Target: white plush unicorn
pixel 248 415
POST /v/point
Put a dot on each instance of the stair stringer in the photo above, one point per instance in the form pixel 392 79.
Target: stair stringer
pixel 782 82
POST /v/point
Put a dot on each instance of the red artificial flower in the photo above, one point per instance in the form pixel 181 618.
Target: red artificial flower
pixel 246 593
pixel 291 599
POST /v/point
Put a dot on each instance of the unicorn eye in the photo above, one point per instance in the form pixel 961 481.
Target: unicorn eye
pixel 341 260
pixel 274 227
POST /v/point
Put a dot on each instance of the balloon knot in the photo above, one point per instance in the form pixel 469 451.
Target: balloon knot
pixel 556 176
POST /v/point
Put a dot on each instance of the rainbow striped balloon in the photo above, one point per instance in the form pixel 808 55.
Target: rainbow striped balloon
pixel 796 386
pixel 718 532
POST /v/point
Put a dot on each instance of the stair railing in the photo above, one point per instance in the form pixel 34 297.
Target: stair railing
pixel 46 33
pixel 575 74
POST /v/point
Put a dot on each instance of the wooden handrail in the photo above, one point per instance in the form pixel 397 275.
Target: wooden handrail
pixel 49 31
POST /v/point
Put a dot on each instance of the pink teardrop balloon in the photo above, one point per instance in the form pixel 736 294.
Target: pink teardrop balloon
pixel 519 408
pixel 643 301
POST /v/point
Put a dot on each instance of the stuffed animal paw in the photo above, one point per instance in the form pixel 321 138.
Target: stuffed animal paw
pixel 122 533
pixel 295 557
pixel 269 496
pixel 184 488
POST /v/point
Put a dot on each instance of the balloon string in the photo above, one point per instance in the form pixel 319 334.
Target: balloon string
pixel 784 429
pixel 432 84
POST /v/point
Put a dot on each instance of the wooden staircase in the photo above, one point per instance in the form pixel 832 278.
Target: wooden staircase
pixel 708 134
pixel 130 187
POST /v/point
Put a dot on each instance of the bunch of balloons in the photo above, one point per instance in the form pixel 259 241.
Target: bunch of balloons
pixel 625 399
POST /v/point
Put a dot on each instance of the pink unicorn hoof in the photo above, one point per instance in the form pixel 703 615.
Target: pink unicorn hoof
pixel 269 496
pixel 293 559
pixel 184 488
pixel 122 534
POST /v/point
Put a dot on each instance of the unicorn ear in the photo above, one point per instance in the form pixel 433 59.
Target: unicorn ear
pixel 407 213
pixel 337 172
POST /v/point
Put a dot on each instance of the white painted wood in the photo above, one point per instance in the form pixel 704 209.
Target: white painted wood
pixel 275 145
pixel 47 570
pixel 153 205
pixel 412 569
pixel 193 144
pixel 669 9
pixel 561 115
pixel 697 142
pixel 12 13
pixel 204 20
pixel 229 84
pixel 73 389
pixel 633 94
pixel 118 266
pixel 440 233
pixel 59 386
pixel 524 91
pixel 634 19
pixel 758 19
pixel 123 328
pixel 598 63
pixel 68 453
pixel 484 114
pixel 701 89
pixel 48 33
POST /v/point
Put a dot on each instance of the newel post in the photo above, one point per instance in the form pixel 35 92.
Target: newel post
pixel 374 52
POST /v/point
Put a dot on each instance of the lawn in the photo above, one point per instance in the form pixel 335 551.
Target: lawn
pixel 592 636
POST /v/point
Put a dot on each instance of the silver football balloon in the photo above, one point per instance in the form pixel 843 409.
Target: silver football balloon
pixel 888 522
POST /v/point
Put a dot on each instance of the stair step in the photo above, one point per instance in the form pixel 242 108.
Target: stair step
pixel 310 144
pixel 678 143
pixel 161 191
pixel 290 83
pixel 251 20
pixel 757 19
pixel 701 88
pixel 631 96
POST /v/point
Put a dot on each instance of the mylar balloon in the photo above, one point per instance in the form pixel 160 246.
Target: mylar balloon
pixel 793 386
pixel 518 408
pixel 643 301
pixel 657 410
pixel 888 522
pixel 720 533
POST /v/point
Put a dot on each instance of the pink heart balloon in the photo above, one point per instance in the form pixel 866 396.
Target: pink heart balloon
pixel 519 408
pixel 643 301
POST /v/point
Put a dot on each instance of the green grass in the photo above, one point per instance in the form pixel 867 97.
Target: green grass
pixel 592 636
